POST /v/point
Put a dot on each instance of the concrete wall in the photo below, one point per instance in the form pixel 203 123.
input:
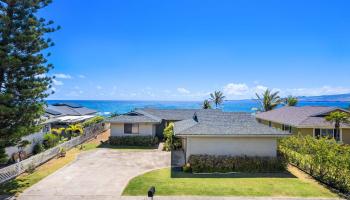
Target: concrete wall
pixel 235 146
pixel 33 138
pixel 346 135
pixel 145 129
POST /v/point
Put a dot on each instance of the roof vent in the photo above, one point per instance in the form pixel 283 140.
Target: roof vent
pixel 195 118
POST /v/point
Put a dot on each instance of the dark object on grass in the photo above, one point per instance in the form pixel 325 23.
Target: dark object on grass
pixel 151 191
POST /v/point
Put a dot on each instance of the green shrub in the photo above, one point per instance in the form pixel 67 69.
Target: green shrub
pixel 38 148
pixel 212 163
pixel 323 158
pixel 133 140
pixel 50 140
pixel 92 121
pixel 74 130
pixel 187 168
pixel 3 156
pixel 171 142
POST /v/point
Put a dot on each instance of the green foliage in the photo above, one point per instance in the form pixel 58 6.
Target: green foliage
pixel 133 140
pixel 92 121
pixel 187 168
pixel 211 163
pixel 206 104
pixel 171 142
pixel 290 101
pixel 323 158
pixel 337 118
pixel 22 144
pixel 38 148
pixel 217 97
pixel 268 100
pixel 74 130
pixel 50 140
pixel 3 156
pixel 23 66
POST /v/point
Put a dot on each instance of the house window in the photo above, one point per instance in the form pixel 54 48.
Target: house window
pixel 270 124
pixel 329 133
pixel 286 127
pixel 131 128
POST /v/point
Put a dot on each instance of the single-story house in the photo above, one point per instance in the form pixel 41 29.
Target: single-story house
pixel 227 133
pixel 306 120
pixel 211 132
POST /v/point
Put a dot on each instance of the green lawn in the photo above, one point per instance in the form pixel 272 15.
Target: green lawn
pixel 179 183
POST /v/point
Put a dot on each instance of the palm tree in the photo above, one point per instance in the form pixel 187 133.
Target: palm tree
pixel 290 101
pixel 206 104
pixel 217 97
pixel 337 118
pixel 268 100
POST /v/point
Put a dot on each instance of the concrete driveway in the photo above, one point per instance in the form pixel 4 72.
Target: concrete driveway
pixel 99 174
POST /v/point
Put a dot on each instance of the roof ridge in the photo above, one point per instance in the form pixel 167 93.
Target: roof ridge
pixel 148 114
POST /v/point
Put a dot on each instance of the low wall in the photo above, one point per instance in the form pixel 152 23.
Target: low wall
pixel 16 169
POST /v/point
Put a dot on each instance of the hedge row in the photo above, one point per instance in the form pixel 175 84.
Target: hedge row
pixel 211 163
pixel 133 140
pixel 323 158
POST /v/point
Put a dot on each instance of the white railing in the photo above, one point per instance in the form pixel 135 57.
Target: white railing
pixel 16 169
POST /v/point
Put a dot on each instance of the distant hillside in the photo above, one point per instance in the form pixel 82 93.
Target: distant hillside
pixel 337 97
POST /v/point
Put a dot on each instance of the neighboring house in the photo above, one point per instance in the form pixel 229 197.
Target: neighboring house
pixel 62 114
pixel 56 115
pixel 306 120
pixel 203 131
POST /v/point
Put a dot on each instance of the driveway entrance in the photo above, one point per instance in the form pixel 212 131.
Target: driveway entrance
pixel 99 174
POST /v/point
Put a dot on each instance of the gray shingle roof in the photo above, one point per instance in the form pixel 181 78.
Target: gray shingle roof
pixel 299 116
pixel 61 110
pixel 224 123
pixel 175 114
pixel 132 119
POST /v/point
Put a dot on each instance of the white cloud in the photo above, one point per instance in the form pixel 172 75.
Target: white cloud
pixel 236 89
pixel 53 89
pixel 98 87
pixel 56 82
pixel 63 76
pixel 81 76
pixel 325 90
pixel 183 91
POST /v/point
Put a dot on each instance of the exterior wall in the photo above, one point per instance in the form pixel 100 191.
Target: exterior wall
pixel 273 124
pixel 32 138
pixel 306 131
pixel 346 135
pixel 145 129
pixel 235 146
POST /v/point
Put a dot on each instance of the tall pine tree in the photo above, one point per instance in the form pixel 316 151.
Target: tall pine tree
pixel 23 65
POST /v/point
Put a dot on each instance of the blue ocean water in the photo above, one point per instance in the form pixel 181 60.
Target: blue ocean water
pixel 106 107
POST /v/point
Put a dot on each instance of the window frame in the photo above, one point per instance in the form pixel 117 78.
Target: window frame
pixel 319 134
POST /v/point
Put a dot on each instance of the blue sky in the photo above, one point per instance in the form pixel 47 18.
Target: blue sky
pixel 184 49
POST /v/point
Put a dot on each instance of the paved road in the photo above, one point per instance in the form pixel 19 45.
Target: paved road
pixel 100 174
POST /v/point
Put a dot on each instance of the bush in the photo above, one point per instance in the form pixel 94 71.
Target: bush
pixel 3 156
pixel 212 163
pixel 50 140
pixel 171 142
pixel 133 140
pixel 38 148
pixel 74 130
pixel 94 120
pixel 323 158
pixel 187 168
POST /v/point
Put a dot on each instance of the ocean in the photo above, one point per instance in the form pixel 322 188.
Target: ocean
pixel 106 107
